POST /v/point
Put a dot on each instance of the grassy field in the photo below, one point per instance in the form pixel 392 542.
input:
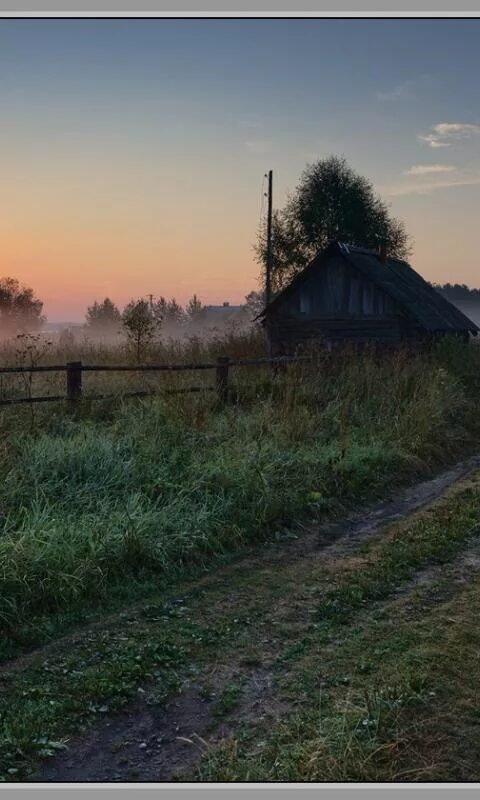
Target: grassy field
pixel 104 502
pixel 114 501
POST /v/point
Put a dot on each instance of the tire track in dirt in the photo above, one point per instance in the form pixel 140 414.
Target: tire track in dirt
pixel 151 742
pixel 332 539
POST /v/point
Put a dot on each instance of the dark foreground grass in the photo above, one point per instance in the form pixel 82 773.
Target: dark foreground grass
pixel 110 500
pixel 363 681
pixel 389 695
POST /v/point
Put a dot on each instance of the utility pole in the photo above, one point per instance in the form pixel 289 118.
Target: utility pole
pixel 268 276
pixel 150 296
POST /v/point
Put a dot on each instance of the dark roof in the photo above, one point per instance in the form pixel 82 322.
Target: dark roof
pixel 397 279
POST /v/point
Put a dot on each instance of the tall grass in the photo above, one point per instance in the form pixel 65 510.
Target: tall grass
pixel 117 493
pixel 38 350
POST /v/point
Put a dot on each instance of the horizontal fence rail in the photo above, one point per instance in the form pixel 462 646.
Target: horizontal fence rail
pixel 75 369
pixel 239 362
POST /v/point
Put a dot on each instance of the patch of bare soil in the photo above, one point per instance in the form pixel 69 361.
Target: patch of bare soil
pixel 155 743
pixel 144 743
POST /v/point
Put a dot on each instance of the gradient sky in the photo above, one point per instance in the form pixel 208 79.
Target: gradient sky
pixel 133 151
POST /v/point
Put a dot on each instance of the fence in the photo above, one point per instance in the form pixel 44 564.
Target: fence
pixel 75 369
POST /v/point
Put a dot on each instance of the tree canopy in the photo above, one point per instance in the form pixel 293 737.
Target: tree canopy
pixel 457 291
pixel 331 201
pixel 254 303
pixel 168 312
pixel 20 310
pixel 103 316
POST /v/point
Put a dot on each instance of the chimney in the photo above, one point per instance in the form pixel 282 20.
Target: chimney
pixel 382 252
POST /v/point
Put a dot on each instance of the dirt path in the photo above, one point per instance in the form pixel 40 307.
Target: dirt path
pixel 325 541
pixel 151 741
pixel 154 743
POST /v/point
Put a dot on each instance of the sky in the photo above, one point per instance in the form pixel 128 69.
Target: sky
pixel 133 152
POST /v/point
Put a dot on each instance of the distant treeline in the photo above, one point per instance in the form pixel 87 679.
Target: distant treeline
pixel 457 291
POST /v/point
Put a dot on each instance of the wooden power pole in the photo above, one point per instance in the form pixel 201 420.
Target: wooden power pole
pixel 268 276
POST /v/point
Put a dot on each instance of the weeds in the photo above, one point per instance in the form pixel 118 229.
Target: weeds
pixel 115 495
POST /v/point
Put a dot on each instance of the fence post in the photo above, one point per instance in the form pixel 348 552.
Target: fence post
pixel 74 380
pixel 222 378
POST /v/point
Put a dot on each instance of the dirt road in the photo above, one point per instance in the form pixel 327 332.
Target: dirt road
pixel 191 686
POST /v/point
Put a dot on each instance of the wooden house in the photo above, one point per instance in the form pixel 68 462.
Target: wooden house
pixel 352 294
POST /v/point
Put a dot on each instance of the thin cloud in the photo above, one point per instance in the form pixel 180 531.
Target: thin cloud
pixel 405 90
pixel 433 141
pixel 456 128
pixel 430 187
pixel 429 169
pixel 444 134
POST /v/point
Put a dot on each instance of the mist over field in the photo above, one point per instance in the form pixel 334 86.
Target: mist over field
pixel 471 309
pixel 177 335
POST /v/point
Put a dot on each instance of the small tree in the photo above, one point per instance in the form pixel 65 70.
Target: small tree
pixel 174 313
pixel 194 308
pixel 159 310
pixel 168 312
pixel 140 326
pixel 103 317
pixel 254 303
pixel 19 309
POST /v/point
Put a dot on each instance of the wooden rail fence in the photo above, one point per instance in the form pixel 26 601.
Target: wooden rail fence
pixel 75 369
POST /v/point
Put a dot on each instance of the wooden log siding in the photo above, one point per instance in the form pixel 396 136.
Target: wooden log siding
pixel 337 304
pixel 338 289
pixel 286 334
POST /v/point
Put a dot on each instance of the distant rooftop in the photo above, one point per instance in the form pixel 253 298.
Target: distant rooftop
pixel 225 308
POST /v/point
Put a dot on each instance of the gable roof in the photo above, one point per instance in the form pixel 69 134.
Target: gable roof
pixel 397 279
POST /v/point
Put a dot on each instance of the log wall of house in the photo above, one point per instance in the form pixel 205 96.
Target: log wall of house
pixel 336 304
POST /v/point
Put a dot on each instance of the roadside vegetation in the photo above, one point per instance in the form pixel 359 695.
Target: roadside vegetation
pixel 112 499
pixel 365 663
